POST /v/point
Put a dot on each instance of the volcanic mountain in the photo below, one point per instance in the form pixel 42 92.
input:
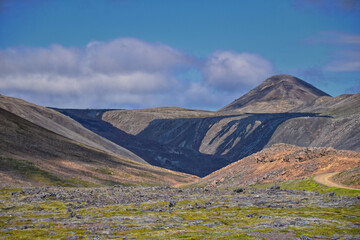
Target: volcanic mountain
pixel 279 93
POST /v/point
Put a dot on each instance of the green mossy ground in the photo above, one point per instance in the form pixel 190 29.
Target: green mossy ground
pixel 48 218
pixel 308 184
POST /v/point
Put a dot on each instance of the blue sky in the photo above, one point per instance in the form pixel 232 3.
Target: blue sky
pixel 191 53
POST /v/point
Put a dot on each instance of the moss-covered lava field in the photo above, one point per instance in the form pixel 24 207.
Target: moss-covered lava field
pixel 121 212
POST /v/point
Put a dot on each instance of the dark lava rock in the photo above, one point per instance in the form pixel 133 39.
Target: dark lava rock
pixel 239 190
pixel 72 214
pixel 172 204
pixel 275 187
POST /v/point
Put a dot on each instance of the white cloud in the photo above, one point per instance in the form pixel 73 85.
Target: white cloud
pixel 132 55
pixel 54 59
pixel 233 71
pixel 94 76
pixel 344 61
pixel 126 73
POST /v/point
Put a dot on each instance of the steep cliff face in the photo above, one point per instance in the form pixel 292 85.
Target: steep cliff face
pixel 279 93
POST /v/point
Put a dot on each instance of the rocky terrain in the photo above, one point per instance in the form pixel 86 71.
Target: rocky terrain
pixel 282 162
pixel 120 212
pixel 31 155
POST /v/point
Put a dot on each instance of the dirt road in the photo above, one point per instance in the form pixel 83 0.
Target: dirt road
pixel 325 180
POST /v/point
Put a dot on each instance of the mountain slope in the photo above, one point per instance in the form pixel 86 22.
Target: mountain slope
pixel 62 125
pixel 340 129
pixel 151 149
pixel 31 155
pixel 282 162
pixel 279 93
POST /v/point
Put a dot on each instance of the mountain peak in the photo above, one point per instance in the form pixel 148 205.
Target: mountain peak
pixel 281 77
pixel 278 93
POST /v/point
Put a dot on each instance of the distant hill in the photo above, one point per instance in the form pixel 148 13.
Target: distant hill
pixel 31 155
pixel 279 93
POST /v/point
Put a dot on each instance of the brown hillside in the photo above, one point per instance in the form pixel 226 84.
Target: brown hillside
pixel 282 162
pixel 62 125
pixel 31 156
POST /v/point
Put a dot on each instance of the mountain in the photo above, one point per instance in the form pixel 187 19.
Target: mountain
pixel 63 125
pixel 200 142
pixel 282 162
pixel 279 93
pixel 31 155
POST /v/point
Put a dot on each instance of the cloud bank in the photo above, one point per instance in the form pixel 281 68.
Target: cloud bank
pixel 231 71
pixel 127 73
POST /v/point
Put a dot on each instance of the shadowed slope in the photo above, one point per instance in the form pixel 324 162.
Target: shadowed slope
pixel 32 155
